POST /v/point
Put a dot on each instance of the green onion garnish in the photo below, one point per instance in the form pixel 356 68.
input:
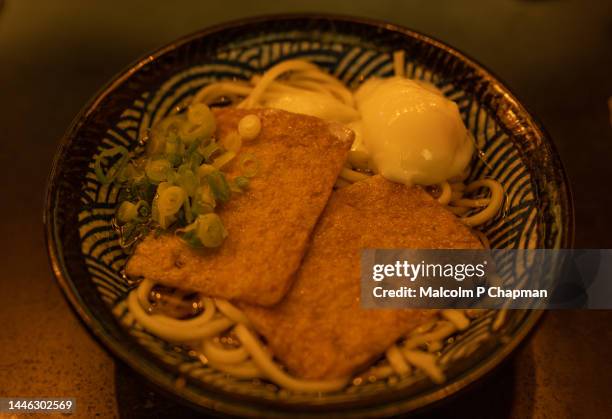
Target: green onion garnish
pixel 143 189
pixel 210 150
pixel 158 170
pixel 128 172
pixel 206 196
pixel 192 148
pixel 242 182
pixel 223 159
pixel 174 159
pixel 219 186
pixel 187 210
pixel 144 210
pixel 200 114
pixel 178 182
pixel 192 157
pixel 205 170
pixel 164 131
pixel 200 123
pixel 249 165
pixel 211 231
pixel 170 200
pixel 187 180
pixel 232 142
pixel 174 146
pixel 199 207
pixel 192 239
pixel 126 212
pixel 192 132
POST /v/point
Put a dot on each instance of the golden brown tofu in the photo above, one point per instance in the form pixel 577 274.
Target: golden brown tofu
pixel 319 330
pixel 269 225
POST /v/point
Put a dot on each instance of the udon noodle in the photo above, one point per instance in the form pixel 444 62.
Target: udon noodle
pixel 221 333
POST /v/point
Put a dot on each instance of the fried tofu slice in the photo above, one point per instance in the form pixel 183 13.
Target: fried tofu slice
pixel 269 225
pixel 319 330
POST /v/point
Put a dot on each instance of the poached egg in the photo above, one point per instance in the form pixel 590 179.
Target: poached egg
pixel 411 133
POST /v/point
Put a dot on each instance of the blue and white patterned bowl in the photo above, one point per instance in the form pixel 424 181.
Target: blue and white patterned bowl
pixel 87 259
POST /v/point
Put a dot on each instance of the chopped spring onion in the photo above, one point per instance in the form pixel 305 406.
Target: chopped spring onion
pixel 207 198
pixel 190 132
pixel 191 149
pixel 211 231
pixel 191 238
pixel 174 147
pixel 242 182
pixel 143 209
pixel 205 169
pixel 210 150
pixel 190 234
pixel 158 170
pixel 174 159
pixel 223 159
pixel 121 154
pixel 192 157
pixel 170 124
pixel 166 129
pixel 249 127
pixel 165 221
pixel 187 180
pixel 232 142
pixel 219 186
pixel 249 165
pixel 142 189
pixel 170 200
pixel 194 161
pixel 162 187
pixel 178 182
pixel 126 212
pixel 188 210
pixel 128 172
pixel 199 208
pixel 200 123
pixel 200 113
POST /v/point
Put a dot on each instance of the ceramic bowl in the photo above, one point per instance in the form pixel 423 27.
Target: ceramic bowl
pixel 87 259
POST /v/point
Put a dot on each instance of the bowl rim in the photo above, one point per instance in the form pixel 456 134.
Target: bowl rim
pixel 160 379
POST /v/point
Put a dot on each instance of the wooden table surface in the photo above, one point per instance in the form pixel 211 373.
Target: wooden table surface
pixel 54 55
